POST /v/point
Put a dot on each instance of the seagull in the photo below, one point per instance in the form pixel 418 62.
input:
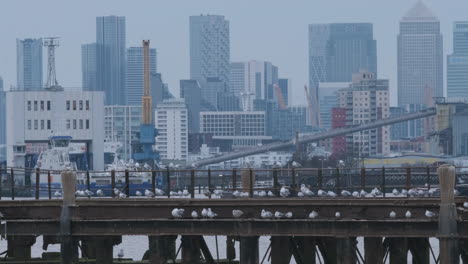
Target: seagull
pixel 255 193
pixel 138 193
pixel 345 193
pixel 356 194
pixel 57 194
pixel 177 213
pixel 211 214
pixel 204 212
pixel 262 194
pixel 236 194
pixel 122 195
pixel 404 192
pixel 300 194
pixel 465 204
pixel 456 192
pixel 186 193
pixel 392 214
pixel 376 192
pixel 429 214
pixel 89 193
pixel 244 195
pixel 421 193
pixel 180 193
pixel 100 192
pixel 284 192
pixel 296 164
pixel 289 215
pixel 159 192
pixel 218 192
pixel 395 192
pixel 194 214
pixel 337 214
pixel 412 192
pixel 1 215
pixel 149 193
pixel 331 194
pixel 207 192
pixel 322 193
pixel 313 215
pixel 237 213
pixel 266 214
pixel 121 253
pixel 408 214
pixel 116 191
pixel 271 194
pixel 431 192
pixel 80 193
pixel 278 215
pixel 306 191
pixel 363 193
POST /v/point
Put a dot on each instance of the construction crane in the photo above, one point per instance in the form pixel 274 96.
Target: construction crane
pixel 51 43
pixel 144 152
pixel 280 97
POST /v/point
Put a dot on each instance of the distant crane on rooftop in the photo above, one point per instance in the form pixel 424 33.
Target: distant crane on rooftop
pixel 51 43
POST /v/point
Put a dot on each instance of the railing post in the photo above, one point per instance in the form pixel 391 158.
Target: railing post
pixel 293 178
pixel 320 178
pixel 448 232
pixel 428 175
pixel 153 180
pixel 127 183
pixel 251 183
pixel 363 178
pixel 168 182
pixel 275 181
pixel 234 179
pixel 383 181
pixel 113 183
pixel 49 187
pixel 408 178
pixel 38 180
pixel 88 181
pixel 69 244
pixel 12 175
pixel 192 183
pixel 209 182
pixel 338 182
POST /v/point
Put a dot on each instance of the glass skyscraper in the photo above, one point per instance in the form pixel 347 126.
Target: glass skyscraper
pixel 29 64
pixel 110 40
pixel 209 48
pixel 457 63
pixel 338 50
pixel 134 74
pixel 89 67
pixel 420 57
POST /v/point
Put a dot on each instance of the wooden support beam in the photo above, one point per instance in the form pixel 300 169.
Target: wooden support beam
pixel 190 250
pixel 69 245
pixel 306 247
pixel 161 249
pixel 280 253
pixel 346 250
pixel 419 248
pixel 249 250
pixel 19 247
pixel 398 250
pixel 373 250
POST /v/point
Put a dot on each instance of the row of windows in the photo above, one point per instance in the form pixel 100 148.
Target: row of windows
pixel 39 105
pixel 77 124
pixel 77 105
pixel 39 124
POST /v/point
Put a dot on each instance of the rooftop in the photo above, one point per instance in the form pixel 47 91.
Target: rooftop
pixel 419 12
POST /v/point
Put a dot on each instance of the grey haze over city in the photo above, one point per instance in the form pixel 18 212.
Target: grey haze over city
pixel 275 31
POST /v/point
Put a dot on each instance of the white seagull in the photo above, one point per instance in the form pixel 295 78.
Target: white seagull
pixel 122 195
pixel 266 214
pixel 159 192
pixel 337 214
pixel 177 213
pixel 237 213
pixel 395 192
pixel 313 215
pixel 271 194
pixel 204 212
pixel 429 214
pixel 194 214
pixel 211 214
pixel 289 215
pixel 356 194
pixel 57 194
pixel 284 192
pixel 278 215
pixel 138 193
pixel 149 193
pixel 100 192
pixel 408 214
pixel 322 193
pixel 392 214
pixel 363 193
pixel 465 204
pixel 345 193
pixel 331 194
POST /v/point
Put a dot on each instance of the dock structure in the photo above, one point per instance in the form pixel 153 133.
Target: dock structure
pixel 390 226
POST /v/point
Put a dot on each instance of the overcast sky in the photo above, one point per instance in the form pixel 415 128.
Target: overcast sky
pixel 273 30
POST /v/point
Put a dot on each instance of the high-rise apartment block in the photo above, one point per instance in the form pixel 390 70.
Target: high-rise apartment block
pixel 420 57
pixel 457 63
pixel 171 123
pixel 134 74
pixel 367 100
pixel 29 64
pixel 110 40
pixel 329 95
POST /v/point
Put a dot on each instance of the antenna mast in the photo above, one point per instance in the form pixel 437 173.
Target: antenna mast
pixel 51 43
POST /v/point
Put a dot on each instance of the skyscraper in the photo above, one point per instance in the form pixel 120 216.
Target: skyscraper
pixel 338 50
pixel 191 92
pixel 89 67
pixel 457 62
pixel 29 64
pixel 110 40
pixel 134 74
pixel 2 122
pixel 420 56
pixel 209 48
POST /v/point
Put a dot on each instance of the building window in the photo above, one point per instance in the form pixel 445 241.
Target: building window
pixel 74 105
pixel 42 125
pixel 48 125
pixel 48 105
pixel 35 105
pixel 87 123
pixel 81 105
pixel 74 123
pixel 42 105
pixel 81 123
pixel 29 124
pixel 29 105
pixel 36 124
pixel 87 104
pixel 68 105
pixel 68 123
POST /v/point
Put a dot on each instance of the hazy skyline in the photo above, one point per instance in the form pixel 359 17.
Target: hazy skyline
pixel 275 31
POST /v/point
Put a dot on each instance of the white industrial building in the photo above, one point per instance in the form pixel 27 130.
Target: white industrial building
pixel 171 123
pixel 34 116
